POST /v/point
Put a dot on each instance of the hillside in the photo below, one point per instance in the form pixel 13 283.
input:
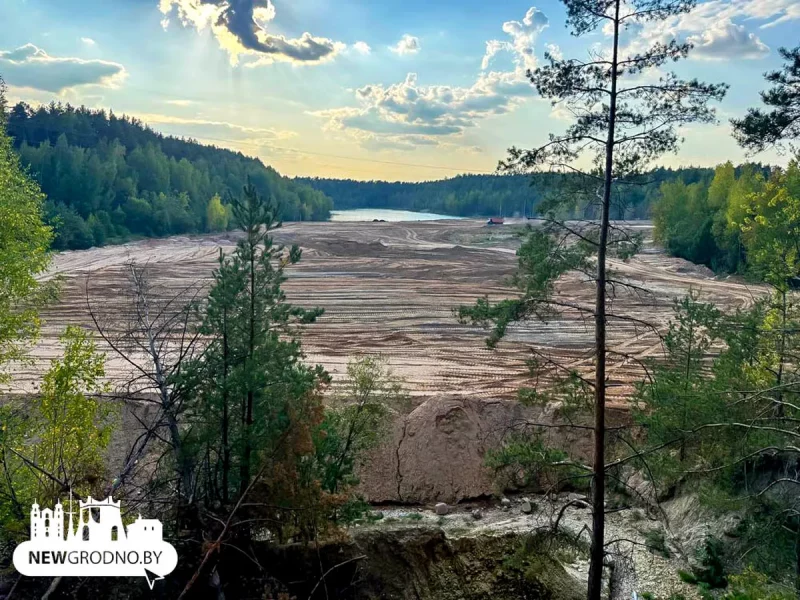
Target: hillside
pixel 108 178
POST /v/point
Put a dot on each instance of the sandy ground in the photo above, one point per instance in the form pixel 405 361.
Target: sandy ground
pixel 390 289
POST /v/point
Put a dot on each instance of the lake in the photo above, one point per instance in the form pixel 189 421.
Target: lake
pixel 392 216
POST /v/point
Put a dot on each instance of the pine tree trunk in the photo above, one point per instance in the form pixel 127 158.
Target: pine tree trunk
pixel 599 467
pixel 226 450
pixel 247 451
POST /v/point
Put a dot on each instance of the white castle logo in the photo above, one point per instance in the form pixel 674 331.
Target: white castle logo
pixel 97 545
pixel 98 521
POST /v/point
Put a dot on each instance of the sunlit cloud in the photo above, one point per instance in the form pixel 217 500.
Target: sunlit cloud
pixel 408 44
pixel 240 28
pixel 31 67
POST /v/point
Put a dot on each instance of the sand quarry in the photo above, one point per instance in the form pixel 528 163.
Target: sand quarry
pixel 390 289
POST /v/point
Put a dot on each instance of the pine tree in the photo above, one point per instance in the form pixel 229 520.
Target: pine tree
pixel 761 129
pixel 254 393
pixel 623 123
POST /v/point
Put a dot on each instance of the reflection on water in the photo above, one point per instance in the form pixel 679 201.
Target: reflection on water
pixel 392 216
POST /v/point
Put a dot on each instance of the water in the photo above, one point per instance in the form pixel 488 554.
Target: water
pixel 370 214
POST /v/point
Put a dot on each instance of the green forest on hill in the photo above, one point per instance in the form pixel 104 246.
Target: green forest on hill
pixel 109 178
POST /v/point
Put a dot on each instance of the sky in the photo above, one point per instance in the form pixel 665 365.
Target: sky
pixel 365 89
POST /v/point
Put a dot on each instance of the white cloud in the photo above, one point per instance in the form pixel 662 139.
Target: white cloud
pixel 31 67
pixel 408 44
pixel 240 27
pixel 408 114
pixel 179 102
pixel 555 51
pixel 493 48
pixel 523 38
pixel 88 41
pixel 362 48
pixel 718 28
pixel 725 40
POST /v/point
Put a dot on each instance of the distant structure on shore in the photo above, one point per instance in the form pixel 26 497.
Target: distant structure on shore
pixel 496 221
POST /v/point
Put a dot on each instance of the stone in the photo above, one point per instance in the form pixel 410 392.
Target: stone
pixel 477 514
pixel 526 507
pixel 437 453
pixel 441 508
pixel 505 503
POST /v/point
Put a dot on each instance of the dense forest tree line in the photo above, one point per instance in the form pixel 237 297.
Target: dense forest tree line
pixel 713 222
pixel 108 178
pixel 495 195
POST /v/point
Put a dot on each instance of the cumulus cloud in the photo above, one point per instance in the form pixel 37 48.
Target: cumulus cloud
pixel 362 47
pixel 88 41
pixel 408 44
pixel 726 40
pixel 31 67
pixel 408 114
pixel 523 36
pixel 408 108
pixel 554 50
pixel 240 27
pixel 719 28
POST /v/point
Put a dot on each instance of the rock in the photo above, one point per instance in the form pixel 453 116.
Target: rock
pixel 527 508
pixel 505 503
pixel 437 452
pixel 441 508
pixel 377 515
pixel 577 497
pixel 477 514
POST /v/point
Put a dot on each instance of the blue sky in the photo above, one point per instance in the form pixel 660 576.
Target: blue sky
pixel 367 89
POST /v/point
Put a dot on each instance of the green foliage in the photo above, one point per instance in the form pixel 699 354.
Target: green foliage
pixel 702 222
pixel 357 419
pixel 216 215
pixel 710 572
pixel 656 542
pixel 493 195
pixel 744 220
pixel 131 181
pixel 24 243
pixel 677 397
pixel 761 129
pixel 254 405
pixel 524 460
pixel 771 228
pixel 57 441
pixel 752 585
pixel 542 259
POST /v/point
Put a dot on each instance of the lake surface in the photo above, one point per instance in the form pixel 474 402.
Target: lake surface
pixel 392 216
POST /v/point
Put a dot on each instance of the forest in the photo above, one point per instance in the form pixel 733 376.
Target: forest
pixel 109 178
pixel 502 194
pixel 714 222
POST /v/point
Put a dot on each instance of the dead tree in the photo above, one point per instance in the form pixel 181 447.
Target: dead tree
pixel 152 332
